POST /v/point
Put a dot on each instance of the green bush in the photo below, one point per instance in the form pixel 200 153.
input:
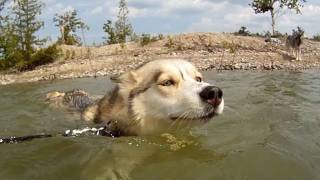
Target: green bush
pixel 147 39
pixel 70 40
pixel 232 47
pixel 160 36
pixel 316 37
pixel 279 35
pixel 11 60
pixel 40 57
pixel 170 42
pixel 243 31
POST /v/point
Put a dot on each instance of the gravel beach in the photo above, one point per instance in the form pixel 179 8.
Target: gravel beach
pixel 208 51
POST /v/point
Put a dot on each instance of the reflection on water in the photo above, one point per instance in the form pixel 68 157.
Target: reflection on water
pixel 270 130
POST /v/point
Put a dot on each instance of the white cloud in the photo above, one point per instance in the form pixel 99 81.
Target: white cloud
pixel 97 10
pixel 205 24
pixel 49 1
pixel 165 16
pixel 225 17
pixel 136 12
pixel 309 20
pixel 68 8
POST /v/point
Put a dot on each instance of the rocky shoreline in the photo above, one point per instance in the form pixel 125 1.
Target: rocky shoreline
pixel 208 51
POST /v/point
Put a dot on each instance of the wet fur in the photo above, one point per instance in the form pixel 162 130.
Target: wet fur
pixel 139 105
pixel 127 109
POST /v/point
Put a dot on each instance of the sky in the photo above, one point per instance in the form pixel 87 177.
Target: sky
pixel 179 16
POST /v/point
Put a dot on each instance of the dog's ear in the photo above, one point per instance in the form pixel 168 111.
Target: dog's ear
pixel 126 78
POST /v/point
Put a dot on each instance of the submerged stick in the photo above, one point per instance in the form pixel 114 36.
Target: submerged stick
pixel 102 131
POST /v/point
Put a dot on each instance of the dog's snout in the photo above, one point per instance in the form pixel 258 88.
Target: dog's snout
pixel 212 95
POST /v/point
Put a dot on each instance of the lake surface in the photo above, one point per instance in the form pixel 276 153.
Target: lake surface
pixel 270 129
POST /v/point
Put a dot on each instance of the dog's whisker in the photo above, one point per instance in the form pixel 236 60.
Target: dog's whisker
pixel 180 119
pixel 183 119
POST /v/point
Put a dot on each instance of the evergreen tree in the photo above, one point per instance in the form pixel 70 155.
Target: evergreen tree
pixel 2 17
pixel 109 29
pixel 68 24
pixel 123 27
pixel 3 20
pixel 2 3
pixel 26 25
pixel 9 51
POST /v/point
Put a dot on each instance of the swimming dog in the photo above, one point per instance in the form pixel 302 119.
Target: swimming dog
pixel 294 42
pixel 153 98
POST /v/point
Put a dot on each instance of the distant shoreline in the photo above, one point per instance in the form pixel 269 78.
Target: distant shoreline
pixel 208 51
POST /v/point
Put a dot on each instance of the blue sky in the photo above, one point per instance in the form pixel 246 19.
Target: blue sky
pixel 179 16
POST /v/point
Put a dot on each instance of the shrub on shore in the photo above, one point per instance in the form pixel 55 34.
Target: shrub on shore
pixel 170 43
pixel 147 39
pixel 40 57
pixel 316 37
pixel 243 31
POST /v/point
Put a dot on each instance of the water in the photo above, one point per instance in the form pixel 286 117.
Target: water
pixel 270 130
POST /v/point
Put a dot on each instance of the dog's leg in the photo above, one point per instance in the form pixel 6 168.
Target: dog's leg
pixel 292 52
pixel 300 54
pixel 296 53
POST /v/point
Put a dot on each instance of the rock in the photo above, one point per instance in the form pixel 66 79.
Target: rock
pixel 237 66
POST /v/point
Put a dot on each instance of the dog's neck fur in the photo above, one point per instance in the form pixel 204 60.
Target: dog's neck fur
pixel 295 40
pixel 118 111
pixel 106 109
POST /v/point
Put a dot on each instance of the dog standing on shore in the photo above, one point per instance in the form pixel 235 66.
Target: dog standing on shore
pixel 157 96
pixel 294 42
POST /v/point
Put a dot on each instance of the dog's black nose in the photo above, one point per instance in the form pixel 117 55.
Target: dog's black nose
pixel 212 95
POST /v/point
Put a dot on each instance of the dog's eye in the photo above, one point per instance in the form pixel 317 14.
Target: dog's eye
pixel 199 79
pixel 167 83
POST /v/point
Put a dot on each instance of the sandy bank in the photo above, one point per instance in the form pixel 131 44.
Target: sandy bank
pixel 208 51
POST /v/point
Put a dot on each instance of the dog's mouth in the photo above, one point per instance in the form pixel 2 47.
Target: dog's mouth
pixel 203 117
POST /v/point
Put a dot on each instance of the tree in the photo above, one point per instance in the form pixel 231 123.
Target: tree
pixel 19 45
pixel 26 25
pixel 68 24
pixel 274 7
pixel 9 43
pixel 110 30
pixel 243 31
pixel 9 51
pixel 121 29
pixel 122 26
pixel 2 18
pixel 2 3
pixel 3 32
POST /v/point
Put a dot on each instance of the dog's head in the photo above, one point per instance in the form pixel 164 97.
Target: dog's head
pixel 167 91
pixel 298 33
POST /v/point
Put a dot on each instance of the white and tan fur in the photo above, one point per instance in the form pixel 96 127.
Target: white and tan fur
pixel 157 96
